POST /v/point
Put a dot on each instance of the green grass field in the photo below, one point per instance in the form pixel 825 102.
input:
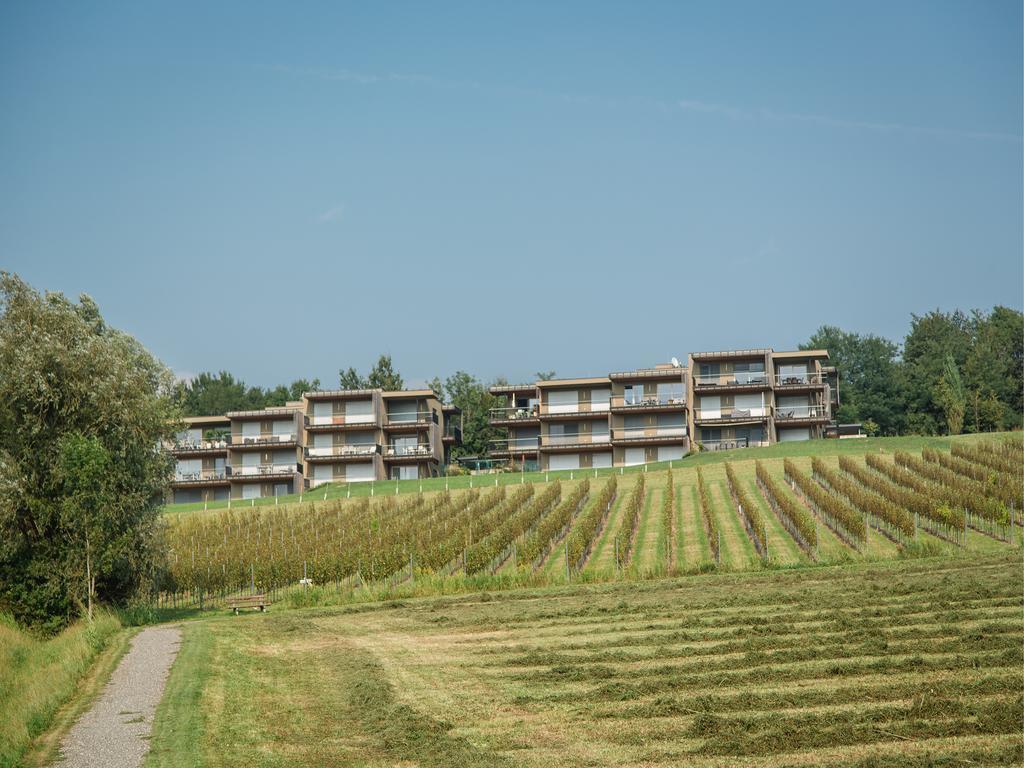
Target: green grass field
pixel 900 662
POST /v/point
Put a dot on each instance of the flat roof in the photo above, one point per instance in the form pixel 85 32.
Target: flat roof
pixel 202 421
pixel 554 383
pixel 411 393
pixel 337 394
pixel 282 411
pixel 508 389
pixel 802 354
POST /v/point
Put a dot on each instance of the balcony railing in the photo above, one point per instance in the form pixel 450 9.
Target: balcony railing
pixel 515 413
pixel 402 451
pixel 260 470
pixel 572 409
pixel 799 379
pixel 640 400
pixel 411 417
pixel 647 433
pixel 554 441
pixel 788 412
pixel 516 444
pixel 200 476
pixel 758 412
pixel 733 379
pixel 366 449
pixel 728 445
pixel 242 440
pixel 368 419
pixel 203 444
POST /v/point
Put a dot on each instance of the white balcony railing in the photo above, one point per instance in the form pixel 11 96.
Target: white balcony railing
pixel 201 475
pixel 514 413
pixel 640 400
pixel 398 451
pixel 580 439
pixel 755 412
pixel 785 412
pixel 410 417
pixel 728 445
pixel 252 470
pixel 798 379
pixel 732 379
pixel 516 444
pixel 203 444
pixel 368 419
pixel 237 440
pixel 367 449
pixel 641 433
pixel 586 406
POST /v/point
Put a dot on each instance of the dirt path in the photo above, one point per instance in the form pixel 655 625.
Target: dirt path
pixel 115 732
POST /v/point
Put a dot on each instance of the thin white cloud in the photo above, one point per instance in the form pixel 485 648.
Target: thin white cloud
pixel 332 214
pixel 693 106
pixel 738 113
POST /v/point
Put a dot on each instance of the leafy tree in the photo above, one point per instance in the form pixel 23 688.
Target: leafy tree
pixel 951 396
pixel 932 337
pixel 869 377
pixel 384 376
pixel 67 377
pixel 473 397
pixel 350 379
pixel 545 375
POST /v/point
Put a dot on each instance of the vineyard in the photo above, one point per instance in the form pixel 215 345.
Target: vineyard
pixel 736 515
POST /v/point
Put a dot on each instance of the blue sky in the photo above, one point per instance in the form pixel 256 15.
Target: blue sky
pixel 282 190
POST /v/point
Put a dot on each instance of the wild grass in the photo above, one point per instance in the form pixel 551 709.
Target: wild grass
pixel 38 675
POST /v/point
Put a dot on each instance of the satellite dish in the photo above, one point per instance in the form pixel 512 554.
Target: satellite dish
pixel 675 362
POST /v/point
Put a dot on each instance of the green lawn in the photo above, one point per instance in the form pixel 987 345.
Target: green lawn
pixel 912 662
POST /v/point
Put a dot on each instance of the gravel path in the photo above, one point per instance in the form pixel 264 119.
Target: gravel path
pixel 114 733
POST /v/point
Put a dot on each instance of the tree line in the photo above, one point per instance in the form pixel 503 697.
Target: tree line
pixel 953 372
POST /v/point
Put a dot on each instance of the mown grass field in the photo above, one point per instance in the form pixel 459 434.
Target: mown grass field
pixel 898 662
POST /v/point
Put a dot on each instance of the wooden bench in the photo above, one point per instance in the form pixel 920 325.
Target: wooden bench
pixel 259 602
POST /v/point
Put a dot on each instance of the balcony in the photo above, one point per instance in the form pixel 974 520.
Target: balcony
pixel 728 445
pixel 452 434
pixel 795 382
pixel 258 442
pixel 515 446
pixel 583 410
pixel 336 454
pixel 649 435
pixel 202 477
pixel 514 415
pixel 213 444
pixel 262 471
pixel 413 453
pixel 399 422
pixel 732 415
pixel 580 442
pixel 653 403
pixel 341 422
pixel 737 381
pixel 801 414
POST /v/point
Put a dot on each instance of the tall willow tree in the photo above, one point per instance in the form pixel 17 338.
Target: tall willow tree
pixel 83 409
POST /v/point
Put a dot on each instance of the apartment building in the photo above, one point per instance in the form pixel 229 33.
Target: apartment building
pixel 757 397
pixel 625 418
pixel 370 434
pixel 722 400
pixel 201 456
pixel 340 436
